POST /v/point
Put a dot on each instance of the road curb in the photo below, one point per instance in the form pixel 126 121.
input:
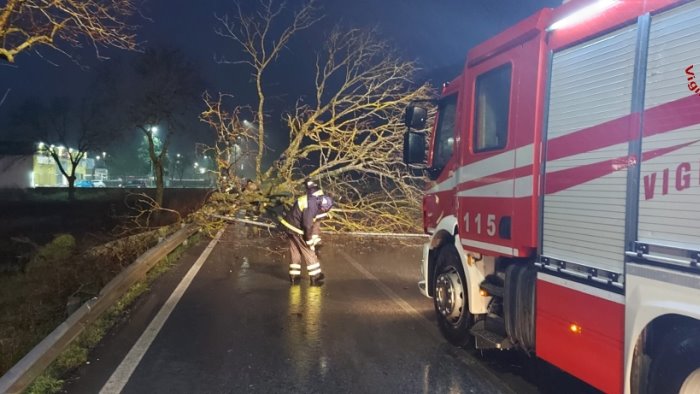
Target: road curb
pixel 22 374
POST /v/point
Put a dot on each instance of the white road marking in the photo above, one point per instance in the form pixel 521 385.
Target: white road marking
pixel 431 328
pixel 121 375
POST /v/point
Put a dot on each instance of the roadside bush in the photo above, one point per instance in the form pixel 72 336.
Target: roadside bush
pixel 57 252
pixel 34 302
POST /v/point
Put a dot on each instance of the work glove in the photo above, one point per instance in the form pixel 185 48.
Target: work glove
pixel 315 240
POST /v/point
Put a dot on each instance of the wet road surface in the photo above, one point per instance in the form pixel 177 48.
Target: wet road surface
pixel 240 327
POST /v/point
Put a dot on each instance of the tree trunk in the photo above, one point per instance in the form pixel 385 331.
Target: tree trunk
pixel 159 184
pixel 71 187
pixel 261 127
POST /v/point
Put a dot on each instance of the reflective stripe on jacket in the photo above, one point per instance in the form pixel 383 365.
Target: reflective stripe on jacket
pixel 306 210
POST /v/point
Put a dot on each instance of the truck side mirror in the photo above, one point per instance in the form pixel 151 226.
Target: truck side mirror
pixel 415 117
pixel 414 147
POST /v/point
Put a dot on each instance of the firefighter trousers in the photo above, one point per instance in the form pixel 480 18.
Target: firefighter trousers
pixel 298 250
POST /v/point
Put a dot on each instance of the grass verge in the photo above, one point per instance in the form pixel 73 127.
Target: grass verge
pixel 51 381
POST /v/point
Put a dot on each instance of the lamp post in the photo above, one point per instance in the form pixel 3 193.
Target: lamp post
pixel 178 167
pixel 94 168
pixel 236 153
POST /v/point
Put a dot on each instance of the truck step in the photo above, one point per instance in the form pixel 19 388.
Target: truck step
pixel 487 339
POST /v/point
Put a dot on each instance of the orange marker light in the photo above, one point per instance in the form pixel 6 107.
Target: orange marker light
pixel 470 260
pixel 484 293
pixel 575 328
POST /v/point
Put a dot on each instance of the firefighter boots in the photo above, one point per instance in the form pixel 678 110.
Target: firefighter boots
pixel 317 280
pixel 294 279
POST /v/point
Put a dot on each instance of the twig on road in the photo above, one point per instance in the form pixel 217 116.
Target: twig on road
pixel 246 221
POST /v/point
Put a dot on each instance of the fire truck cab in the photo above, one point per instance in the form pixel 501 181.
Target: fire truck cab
pixel 563 205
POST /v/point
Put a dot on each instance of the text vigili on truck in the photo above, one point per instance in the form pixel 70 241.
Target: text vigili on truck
pixel 564 202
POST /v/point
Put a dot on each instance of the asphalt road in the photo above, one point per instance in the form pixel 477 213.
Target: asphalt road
pixel 239 327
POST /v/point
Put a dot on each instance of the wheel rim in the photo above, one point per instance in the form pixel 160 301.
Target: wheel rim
pixel 449 295
pixel 691 383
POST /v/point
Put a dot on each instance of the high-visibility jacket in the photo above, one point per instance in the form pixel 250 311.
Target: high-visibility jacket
pixel 300 219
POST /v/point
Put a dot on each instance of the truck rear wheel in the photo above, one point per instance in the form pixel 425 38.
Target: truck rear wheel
pixel 676 367
pixel 450 300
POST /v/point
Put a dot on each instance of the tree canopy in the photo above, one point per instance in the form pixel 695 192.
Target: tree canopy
pixel 348 135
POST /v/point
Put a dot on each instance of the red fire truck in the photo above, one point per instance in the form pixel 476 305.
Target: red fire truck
pixel 564 202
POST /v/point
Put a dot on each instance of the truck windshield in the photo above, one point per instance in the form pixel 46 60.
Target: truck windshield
pixel 444 133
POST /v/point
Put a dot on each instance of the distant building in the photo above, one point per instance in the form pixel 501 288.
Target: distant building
pixel 23 166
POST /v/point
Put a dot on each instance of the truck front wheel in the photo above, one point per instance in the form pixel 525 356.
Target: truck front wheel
pixel 450 300
pixel 676 367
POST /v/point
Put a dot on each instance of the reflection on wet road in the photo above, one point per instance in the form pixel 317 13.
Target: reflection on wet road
pixel 240 327
pixel 303 343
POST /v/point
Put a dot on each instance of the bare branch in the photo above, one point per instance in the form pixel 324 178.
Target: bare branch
pixel 143 213
pixel 4 96
pixel 349 135
pixel 29 24
pixel 253 35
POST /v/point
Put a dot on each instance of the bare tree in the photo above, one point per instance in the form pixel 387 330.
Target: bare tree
pixel 68 129
pixel 233 135
pixel 349 135
pixel 165 87
pixel 73 131
pixel 255 35
pixel 30 24
pixel 66 142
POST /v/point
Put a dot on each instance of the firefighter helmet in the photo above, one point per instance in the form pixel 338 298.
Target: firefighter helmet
pixel 310 184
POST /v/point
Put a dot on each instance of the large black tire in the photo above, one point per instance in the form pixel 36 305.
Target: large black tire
pixel 451 301
pixel 676 365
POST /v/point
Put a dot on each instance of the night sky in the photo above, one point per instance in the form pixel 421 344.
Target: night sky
pixel 436 33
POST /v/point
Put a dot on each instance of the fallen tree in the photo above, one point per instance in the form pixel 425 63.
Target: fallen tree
pixel 347 135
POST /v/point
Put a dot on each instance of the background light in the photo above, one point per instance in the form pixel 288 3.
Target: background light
pixel 583 14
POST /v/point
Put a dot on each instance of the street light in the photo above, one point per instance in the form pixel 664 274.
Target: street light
pixel 249 125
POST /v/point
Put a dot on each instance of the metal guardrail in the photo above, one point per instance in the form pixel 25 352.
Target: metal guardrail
pixel 22 374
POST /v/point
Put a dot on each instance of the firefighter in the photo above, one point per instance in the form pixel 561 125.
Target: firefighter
pixel 299 224
pixel 312 189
